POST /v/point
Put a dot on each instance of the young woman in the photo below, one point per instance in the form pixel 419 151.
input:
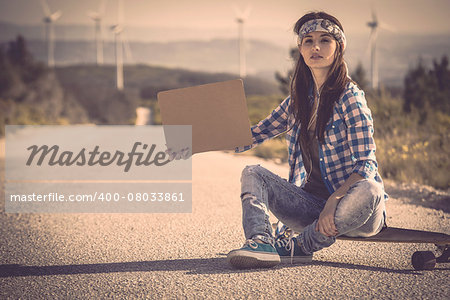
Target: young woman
pixel 334 187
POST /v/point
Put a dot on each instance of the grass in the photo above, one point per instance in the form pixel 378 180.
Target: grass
pixel 409 149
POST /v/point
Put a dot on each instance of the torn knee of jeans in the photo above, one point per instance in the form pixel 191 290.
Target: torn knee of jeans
pixel 254 202
pixel 259 205
pixel 247 196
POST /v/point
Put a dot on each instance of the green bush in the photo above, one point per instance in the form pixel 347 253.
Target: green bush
pixel 407 150
pixel 30 94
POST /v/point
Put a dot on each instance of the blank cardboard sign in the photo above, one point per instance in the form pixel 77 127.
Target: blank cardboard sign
pixel 217 112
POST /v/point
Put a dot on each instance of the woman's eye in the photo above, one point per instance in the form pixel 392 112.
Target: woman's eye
pixel 325 41
pixel 308 41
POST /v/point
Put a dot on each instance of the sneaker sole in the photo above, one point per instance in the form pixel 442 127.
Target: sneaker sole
pixel 295 259
pixel 246 260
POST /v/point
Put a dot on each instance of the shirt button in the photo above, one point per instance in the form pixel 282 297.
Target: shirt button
pixel 321 159
pixel 332 126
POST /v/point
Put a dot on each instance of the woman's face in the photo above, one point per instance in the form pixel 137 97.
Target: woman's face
pixel 317 49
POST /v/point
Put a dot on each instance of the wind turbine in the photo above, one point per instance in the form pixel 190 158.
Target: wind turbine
pixel 241 18
pixel 49 19
pixel 374 25
pixel 97 16
pixel 121 42
pixel 373 47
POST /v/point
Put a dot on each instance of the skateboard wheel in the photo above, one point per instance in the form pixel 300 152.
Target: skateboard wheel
pixel 423 260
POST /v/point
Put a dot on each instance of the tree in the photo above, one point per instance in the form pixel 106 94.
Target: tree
pixel 18 53
pixel 21 58
pixel 441 74
pixel 427 90
pixel 30 93
pixel 8 76
pixel 359 76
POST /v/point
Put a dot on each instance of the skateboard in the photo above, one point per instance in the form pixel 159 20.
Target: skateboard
pixel 421 260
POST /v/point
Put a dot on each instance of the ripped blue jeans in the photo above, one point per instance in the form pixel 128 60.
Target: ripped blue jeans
pixel 360 213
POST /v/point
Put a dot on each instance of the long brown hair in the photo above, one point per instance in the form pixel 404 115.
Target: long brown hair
pixel 302 83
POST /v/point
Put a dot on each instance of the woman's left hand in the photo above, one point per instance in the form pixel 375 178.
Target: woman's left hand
pixel 325 224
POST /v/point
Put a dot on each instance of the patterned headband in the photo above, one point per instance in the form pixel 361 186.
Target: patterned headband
pixel 322 25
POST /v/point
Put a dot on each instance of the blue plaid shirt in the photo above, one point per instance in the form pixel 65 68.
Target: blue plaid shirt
pixel 348 145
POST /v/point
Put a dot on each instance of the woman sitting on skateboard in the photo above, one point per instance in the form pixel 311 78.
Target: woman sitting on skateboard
pixel 334 187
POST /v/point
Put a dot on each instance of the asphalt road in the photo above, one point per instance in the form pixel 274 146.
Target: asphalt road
pixel 184 255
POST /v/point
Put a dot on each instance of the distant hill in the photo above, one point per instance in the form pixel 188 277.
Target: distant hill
pixel 94 87
pixel 216 56
pixel 148 80
pixel 396 52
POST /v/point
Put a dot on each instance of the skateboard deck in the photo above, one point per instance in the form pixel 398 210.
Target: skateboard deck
pixel 402 235
pixel 421 260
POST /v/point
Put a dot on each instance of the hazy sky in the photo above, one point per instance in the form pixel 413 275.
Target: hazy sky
pixel 424 16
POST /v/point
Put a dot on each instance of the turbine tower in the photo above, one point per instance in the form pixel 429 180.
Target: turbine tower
pixel 241 18
pixel 118 30
pixel 373 50
pixel 49 19
pixel 97 16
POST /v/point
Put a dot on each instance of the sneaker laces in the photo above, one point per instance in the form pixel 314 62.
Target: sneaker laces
pixel 288 244
pixel 251 243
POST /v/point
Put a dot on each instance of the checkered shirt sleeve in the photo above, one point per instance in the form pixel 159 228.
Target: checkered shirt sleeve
pixel 359 123
pixel 273 125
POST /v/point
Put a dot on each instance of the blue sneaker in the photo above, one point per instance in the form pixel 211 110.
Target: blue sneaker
pixel 291 252
pixel 254 255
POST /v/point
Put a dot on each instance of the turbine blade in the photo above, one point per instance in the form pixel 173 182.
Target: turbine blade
pixel 237 11
pixel 373 35
pixel 372 40
pixel 374 13
pixel 56 15
pixel 102 7
pixel 93 14
pixel 126 45
pixel 120 17
pixel 387 27
pixel 45 8
pixel 369 45
pixel 247 12
pixel 117 28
